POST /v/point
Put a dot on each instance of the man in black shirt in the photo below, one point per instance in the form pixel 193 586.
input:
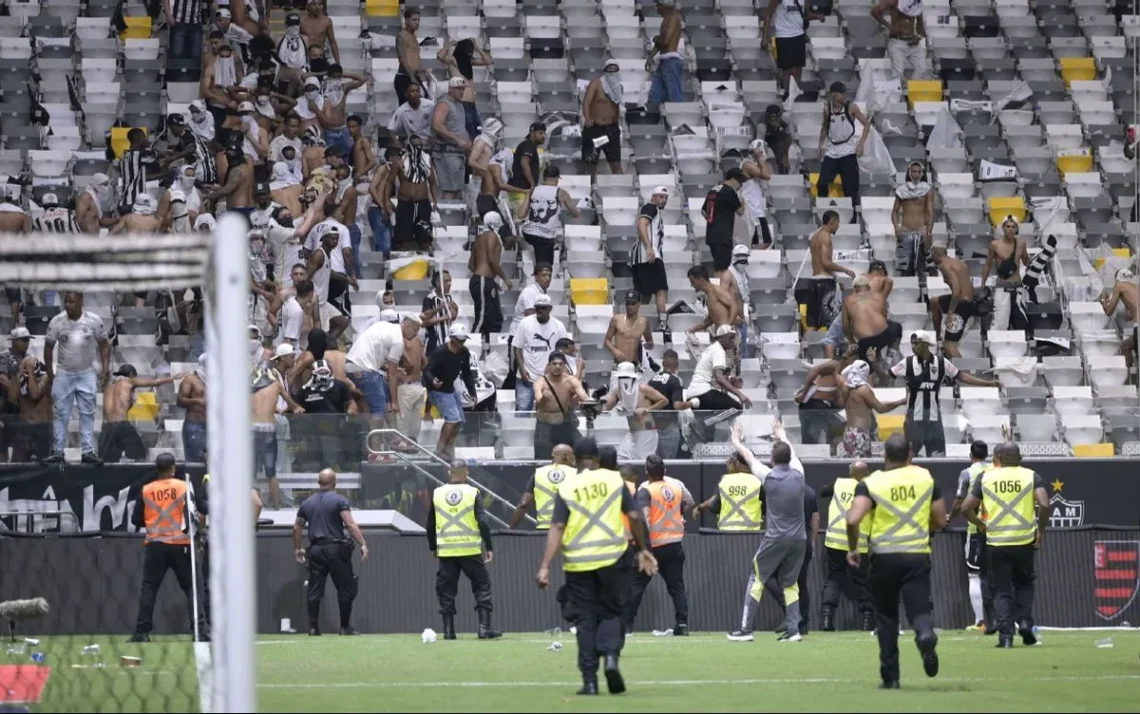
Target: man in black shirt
pixel 137 165
pixel 330 551
pixel 448 362
pixel 778 136
pixel 668 427
pixel 524 172
pixel 722 205
pixel 439 310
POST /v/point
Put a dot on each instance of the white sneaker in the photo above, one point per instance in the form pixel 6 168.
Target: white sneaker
pixel 741 636
pixel 793 638
pixel 573 630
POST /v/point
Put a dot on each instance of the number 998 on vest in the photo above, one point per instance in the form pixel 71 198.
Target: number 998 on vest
pixel 737 491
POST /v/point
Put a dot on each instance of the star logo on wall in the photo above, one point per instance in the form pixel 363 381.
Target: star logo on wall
pixel 1057 485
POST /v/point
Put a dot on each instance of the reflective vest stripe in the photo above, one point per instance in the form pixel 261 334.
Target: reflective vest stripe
pixel 1010 522
pixel 544 492
pixel 457 534
pixel 594 533
pixel 837 518
pixel 665 523
pixel 743 513
pixel 890 540
pixel 168 523
pixel 893 529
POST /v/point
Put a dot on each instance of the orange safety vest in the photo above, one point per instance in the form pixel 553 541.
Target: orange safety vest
pixel 164 504
pixel 632 487
pixel 666 524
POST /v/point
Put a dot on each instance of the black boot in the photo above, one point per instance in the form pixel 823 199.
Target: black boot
pixel 926 646
pixel 614 681
pixel 868 622
pixel 828 619
pixel 1028 636
pixel 485 631
pixel 449 627
pixel 681 630
pixel 1005 642
pixel 589 688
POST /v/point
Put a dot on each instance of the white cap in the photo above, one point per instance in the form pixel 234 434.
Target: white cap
pixel 49 199
pixel 313 82
pixel 246 107
pixel 412 317
pixel 756 144
pixel 626 370
pixel 284 349
pixel 661 191
pixel 456 82
pixel 543 301
pixel 493 221
pixel 389 315
pixel 740 249
pixel 723 330
pixel 223 14
pixel 255 328
pixel 20 333
pixel 457 332
pixel 924 336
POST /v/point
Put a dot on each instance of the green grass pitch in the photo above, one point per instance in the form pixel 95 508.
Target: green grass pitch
pixel 704 672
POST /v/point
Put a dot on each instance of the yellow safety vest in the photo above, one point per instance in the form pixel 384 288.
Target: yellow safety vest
pixel 740 507
pixel 900 521
pixel 1007 493
pixel 456 529
pixel 595 535
pixel 844 494
pixel 546 482
pixel 976 470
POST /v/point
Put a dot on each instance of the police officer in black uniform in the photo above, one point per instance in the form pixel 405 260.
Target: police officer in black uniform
pixel 330 550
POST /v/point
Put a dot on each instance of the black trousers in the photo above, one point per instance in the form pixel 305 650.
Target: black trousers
pixel 1012 572
pixel 846 168
pixel 594 600
pixel 333 559
pixel 119 438
pixel 891 577
pixel 772 585
pixel 157 559
pixel 671 566
pixel 841 578
pixel 447 582
pixel 928 435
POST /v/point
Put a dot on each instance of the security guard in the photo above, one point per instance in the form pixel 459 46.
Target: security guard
pixel 543 485
pixel 664 501
pixel 977 570
pixel 841 576
pixel 166 509
pixel 457 535
pixel 587 528
pixel 737 501
pixel 904 506
pixel 1013 535
pixel 330 550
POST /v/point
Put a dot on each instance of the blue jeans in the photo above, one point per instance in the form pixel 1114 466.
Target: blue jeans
pixel 194 442
pixel 524 395
pixel 666 86
pixel 374 386
pixel 355 236
pixel 339 138
pixel 381 231
pixel 186 42
pixel 67 390
pixel 449 406
pixel 745 348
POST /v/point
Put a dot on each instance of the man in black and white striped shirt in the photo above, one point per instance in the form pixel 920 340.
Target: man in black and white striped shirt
pixel 134 165
pixel 184 18
pixel 923 373
pixel 645 258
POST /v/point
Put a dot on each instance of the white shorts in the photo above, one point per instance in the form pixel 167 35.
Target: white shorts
pixel 411 399
pixel 637 445
pixel 328 312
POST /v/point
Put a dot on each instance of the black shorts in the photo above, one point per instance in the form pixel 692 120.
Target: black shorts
pixel 878 342
pixel 649 278
pixel 14 295
pixel 118 439
pixel 484 204
pixel 488 308
pixel 721 254
pixel 612 150
pixel 955 328
pixel 413 226
pixel 975 552
pixel 791 52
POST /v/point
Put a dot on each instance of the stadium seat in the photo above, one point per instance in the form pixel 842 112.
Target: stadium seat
pixel 145 408
pixel 119 142
pixel 138 28
pixel 1074 161
pixel 1093 451
pixel 889 425
pixel 835 190
pixel 590 291
pixel 1075 69
pixel 1000 208
pixel 923 90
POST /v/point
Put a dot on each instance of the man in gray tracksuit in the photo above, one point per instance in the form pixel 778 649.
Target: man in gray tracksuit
pixel 782 549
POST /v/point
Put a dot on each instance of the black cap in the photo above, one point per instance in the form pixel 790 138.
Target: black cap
pixel 175 119
pixel 539 267
pixel 838 88
pixel 774 110
pixel 586 448
pixel 292 19
pixel 127 370
pixel 734 174
pixel 261 188
pixel 633 296
pixel 556 356
pixel 877 265
pixel 551 171
pixel 537 126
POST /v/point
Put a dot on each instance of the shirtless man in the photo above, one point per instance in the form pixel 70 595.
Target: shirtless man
pixel 906 30
pixel 723 308
pixel 626 335
pixel 820 399
pixel 192 398
pixel 494 170
pixel 237 188
pixel 317 28
pixel 485 265
pixel 556 394
pixel 330 105
pixel 865 323
pixel 600 114
pixel 408 52
pixel 913 218
pixel 460 57
pixel 636 401
pixel 363 155
pixel 268 387
pixel 118 435
pixel 665 52
pixel 30 388
pixel 412 394
pixel 89 206
pixel 13 219
pixel 861 407
pixel 1125 290
pixel 318 349
pixel 300 313
pixel 824 299
pixel 1008 254
pixel 958 306
pixel 881 282
pixel 416 197
pixel 141 219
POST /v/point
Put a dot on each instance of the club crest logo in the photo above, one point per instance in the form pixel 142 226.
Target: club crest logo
pixel 1064 513
pixel 1116 576
pixel 556 476
pixel 454 496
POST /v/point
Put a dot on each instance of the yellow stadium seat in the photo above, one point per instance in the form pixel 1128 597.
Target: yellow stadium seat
pixel 1093 451
pixel 1076 163
pixel 145 408
pixel 1078 69
pixel 803 317
pixel 889 424
pixel 138 28
pixel 415 270
pixel 590 291
pixel 1118 252
pixel 923 90
pixel 119 142
pixel 1001 207
pixel 382 8
pixel 836 189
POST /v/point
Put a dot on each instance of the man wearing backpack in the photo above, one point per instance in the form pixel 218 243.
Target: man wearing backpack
pixel 841 144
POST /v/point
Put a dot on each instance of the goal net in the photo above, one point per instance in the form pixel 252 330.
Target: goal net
pixel 65 530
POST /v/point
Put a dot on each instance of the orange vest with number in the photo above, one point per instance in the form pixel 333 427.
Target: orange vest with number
pixel 164 511
pixel 666 523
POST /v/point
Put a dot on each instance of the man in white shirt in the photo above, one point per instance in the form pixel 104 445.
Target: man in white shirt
pixel 533 342
pixel 413 117
pixel 291 136
pixel 524 306
pixel 373 363
pixel 710 389
pixel 293 312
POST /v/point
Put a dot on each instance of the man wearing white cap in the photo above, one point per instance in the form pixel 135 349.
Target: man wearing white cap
pixel 601 112
pixel 141 219
pixel 923 373
pixel 448 363
pixel 534 342
pixel 452 142
pixel 710 389
pixel 635 401
pixel 485 263
pixel 55 218
pixel 647 258
pixel 756 174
